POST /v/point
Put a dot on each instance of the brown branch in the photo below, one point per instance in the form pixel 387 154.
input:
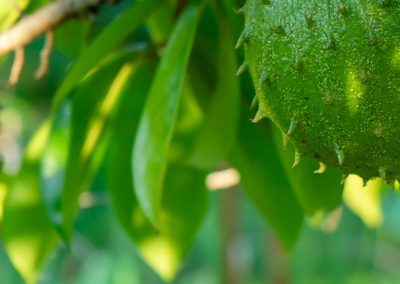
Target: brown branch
pixel 45 55
pixel 43 20
pixel 17 66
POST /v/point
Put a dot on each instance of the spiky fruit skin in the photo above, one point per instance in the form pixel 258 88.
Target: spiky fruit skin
pixel 327 73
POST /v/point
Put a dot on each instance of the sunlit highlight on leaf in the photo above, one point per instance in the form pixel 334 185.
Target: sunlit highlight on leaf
pixel 28 235
pixel 39 141
pixel 3 193
pixel 364 201
pixel 159 116
pixel 161 256
pixel 97 126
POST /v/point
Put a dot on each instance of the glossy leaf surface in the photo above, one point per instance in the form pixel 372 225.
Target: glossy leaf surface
pixel 183 189
pixel 221 120
pixel 159 116
pixel 92 114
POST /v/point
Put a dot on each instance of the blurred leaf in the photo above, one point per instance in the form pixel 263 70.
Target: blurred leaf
pixel 71 37
pixel 159 116
pixel 61 156
pixel 52 167
pixel 5 182
pixel 184 206
pixel 189 120
pixel 184 199
pixel 220 126
pixel 160 23
pixel 265 182
pixel 113 35
pixel 10 12
pixel 315 192
pixel 203 65
pixel 119 167
pixel 182 210
pixel 92 114
pixel 365 201
pixel 28 234
pixel 236 22
pixel 34 5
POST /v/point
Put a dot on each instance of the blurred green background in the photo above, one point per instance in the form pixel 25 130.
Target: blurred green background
pixel 101 252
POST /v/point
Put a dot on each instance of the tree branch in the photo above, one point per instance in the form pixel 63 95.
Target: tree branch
pixel 45 55
pixel 17 66
pixel 43 20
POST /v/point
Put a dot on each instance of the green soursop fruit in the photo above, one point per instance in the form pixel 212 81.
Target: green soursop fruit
pixel 327 73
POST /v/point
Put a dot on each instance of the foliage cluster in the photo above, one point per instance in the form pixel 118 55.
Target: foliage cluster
pixel 145 98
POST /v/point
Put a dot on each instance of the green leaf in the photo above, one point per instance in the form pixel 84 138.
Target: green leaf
pixel 61 164
pixel 28 234
pixel 165 248
pixel 182 210
pixel 113 35
pixel 265 182
pixel 5 184
pixel 53 163
pixel 71 37
pixel 189 120
pixel 10 12
pixel 161 22
pixel 92 113
pixel 365 200
pixel 220 126
pixel 119 167
pixel 159 116
pixel 315 192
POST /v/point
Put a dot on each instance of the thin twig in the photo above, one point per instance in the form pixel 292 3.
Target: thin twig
pixel 36 24
pixel 45 55
pixel 17 66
